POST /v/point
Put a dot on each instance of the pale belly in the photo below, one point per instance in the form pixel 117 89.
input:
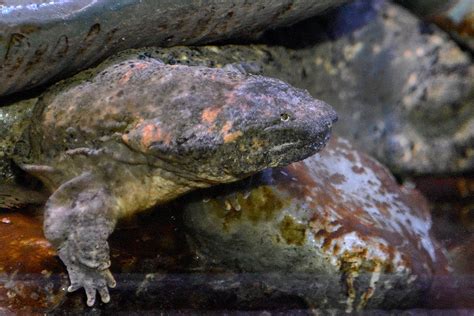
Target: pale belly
pixel 139 193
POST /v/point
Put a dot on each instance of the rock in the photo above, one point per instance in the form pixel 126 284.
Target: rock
pixel 428 7
pixel 335 230
pixel 455 290
pixel 403 90
pixel 452 207
pixel 456 17
pixel 162 274
pixel 41 41
pixel 32 279
pixel 154 273
pixel 14 197
pixel 13 120
pixel 446 188
pixel 462 256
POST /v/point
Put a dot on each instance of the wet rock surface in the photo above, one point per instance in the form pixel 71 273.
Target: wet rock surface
pixel 13 120
pixel 161 273
pixel 456 17
pixel 154 274
pixel 451 200
pixel 452 205
pixel 336 230
pixel 41 41
pixel 32 279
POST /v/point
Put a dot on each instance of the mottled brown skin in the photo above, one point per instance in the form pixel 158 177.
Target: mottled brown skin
pixel 141 133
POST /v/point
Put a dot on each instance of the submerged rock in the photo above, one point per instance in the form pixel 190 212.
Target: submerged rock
pixel 454 16
pixel 32 279
pixel 334 229
pixel 452 206
pixel 42 40
pixel 451 201
pixel 154 273
pixel 453 226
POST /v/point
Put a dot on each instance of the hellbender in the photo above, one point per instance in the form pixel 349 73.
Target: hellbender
pixel 141 133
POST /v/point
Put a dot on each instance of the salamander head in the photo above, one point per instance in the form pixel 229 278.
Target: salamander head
pixel 251 123
pixel 276 125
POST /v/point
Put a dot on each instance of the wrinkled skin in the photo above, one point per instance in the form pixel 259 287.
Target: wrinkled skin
pixel 141 133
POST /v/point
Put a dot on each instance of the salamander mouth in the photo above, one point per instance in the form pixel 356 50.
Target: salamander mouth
pixel 282 148
pixel 292 151
pixel 297 140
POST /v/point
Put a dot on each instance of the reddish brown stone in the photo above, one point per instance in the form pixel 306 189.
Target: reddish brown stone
pixel 448 188
pixel 32 279
pixel 452 206
pixel 339 218
pixel 456 290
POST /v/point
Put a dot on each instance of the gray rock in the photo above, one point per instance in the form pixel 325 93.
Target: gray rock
pixel 335 230
pixel 42 40
pixel 428 7
pixel 454 16
pixel 13 120
pixel 403 90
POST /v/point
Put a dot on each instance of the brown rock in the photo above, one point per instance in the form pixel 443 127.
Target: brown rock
pixel 31 277
pixel 455 291
pixel 452 206
pixel 338 218
pixel 454 16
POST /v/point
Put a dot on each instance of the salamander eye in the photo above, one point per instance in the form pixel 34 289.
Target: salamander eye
pixel 284 117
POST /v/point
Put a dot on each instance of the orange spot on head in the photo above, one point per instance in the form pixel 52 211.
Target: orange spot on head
pixel 228 137
pixel 209 115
